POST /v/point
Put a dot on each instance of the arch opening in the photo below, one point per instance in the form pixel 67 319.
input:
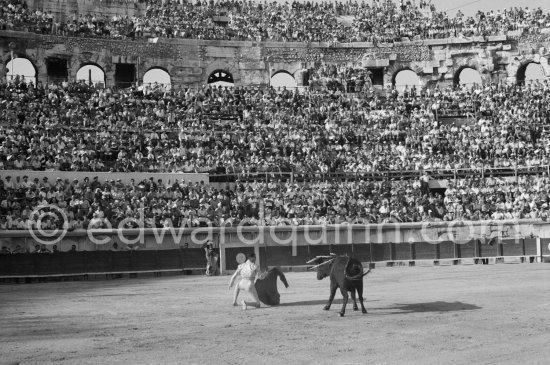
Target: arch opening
pixel 57 69
pixel 91 74
pixel 125 75
pixel 157 77
pixel 406 79
pixel 220 78
pixel 20 69
pixel 283 79
pixel 530 73
pixel 468 77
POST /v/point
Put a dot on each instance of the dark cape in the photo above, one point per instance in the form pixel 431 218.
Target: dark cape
pixel 267 287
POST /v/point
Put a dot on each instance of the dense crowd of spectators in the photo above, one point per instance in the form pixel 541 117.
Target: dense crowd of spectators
pixel 93 204
pixel 77 127
pixel 342 78
pixel 387 22
pixel 379 21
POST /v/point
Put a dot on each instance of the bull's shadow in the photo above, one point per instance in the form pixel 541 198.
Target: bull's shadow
pixel 321 302
pixel 399 308
pixel 428 307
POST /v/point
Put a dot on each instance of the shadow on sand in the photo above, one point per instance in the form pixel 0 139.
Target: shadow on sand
pixel 399 308
pixel 321 302
pixel 429 307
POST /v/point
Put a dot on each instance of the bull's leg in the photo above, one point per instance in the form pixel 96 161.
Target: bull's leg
pixel 345 296
pixel 333 288
pixel 354 300
pixel 360 295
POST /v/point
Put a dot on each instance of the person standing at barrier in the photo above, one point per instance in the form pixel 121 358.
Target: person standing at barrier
pixel 248 272
pixel 211 259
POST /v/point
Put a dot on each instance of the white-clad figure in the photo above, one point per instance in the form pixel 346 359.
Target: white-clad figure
pixel 248 272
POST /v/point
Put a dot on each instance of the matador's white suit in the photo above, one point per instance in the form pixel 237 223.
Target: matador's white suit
pixel 248 272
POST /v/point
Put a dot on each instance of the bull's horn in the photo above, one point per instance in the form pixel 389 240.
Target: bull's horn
pixel 320 257
pixel 313 260
pixel 321 264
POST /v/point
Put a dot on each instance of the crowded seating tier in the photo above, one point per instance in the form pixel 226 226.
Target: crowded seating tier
pixel 304 21
pixel 94 204
pixel 78 127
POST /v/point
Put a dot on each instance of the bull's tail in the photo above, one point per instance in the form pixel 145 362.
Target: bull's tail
pixel 358 276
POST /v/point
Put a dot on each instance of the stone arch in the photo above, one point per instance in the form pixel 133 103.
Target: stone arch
pixel 283 78
pixel 223 66
pixel 96 77
pixel 92 58
pixel 394 69
pixel 157 74
pixel 472 73
pixel 28 68
pixel 411 79
pixel 273 73
pixel 290 67
pixel 218 77
pixel 522 74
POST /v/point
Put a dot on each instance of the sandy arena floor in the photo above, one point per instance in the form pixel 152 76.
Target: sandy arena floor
pixel 425 315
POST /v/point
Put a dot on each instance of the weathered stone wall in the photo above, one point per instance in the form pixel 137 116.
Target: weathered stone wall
pixel 190 62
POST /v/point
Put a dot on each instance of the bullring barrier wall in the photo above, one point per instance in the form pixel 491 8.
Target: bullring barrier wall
pixel 148 250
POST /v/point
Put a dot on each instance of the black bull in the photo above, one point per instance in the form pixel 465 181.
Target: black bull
pixel 267 286
pixel 345 273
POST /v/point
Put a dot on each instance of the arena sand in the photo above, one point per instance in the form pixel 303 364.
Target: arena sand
pixel 494 314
